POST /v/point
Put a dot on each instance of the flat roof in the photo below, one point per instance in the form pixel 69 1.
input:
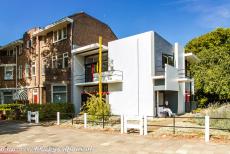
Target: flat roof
pixel 54 26
pixel 16 42
pixel 88 49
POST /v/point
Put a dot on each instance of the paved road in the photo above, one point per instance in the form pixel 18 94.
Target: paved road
pixel 22 135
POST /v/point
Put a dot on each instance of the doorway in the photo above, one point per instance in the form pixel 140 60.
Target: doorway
pixel 90 69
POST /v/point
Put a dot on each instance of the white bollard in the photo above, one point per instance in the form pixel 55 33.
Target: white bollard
pixel 145 125
pixel 141 125
pixel 125 124
pixel 29 116
pixel 36 117
pixel 85 120
pixel 206 128
pixel 122 124
pixel 58 118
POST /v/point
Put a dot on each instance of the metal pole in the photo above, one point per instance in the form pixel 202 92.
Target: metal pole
pixel 72 117
pixel 100 67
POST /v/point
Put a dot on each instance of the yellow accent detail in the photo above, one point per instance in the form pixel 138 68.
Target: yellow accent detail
pixel 100 67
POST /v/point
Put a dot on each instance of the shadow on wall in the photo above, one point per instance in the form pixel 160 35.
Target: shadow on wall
pixel 115 87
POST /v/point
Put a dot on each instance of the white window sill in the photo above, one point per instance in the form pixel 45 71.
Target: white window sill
pixel 59 40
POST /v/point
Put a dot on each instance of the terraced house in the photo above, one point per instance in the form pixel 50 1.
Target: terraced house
pixel 37 67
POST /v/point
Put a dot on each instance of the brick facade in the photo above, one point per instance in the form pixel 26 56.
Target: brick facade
pixel 83 30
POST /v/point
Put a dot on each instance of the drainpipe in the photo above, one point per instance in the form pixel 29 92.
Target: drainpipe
pixel 71 64
pixel 16 74
pixel 39 71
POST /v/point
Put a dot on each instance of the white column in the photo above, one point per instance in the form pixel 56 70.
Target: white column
pixel 36 117
pixel 141 125
pixel 58 118
pixel 29 116
pixel 125 124
pixel 206 128
pixel 145 125
pixel 122 124
pixel 85 120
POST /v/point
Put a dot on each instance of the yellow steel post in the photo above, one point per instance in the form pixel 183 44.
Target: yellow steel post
pixel 100 67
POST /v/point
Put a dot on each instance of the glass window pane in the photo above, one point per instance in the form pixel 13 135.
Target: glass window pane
pixel 59 97
pixel 59 88
pixel 59 34
pixel 55 36
pixel 64 32
pixel 66 62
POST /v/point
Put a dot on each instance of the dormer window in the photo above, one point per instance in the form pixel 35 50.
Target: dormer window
pixel 59 34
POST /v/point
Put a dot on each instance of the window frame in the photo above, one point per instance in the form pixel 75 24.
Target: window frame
pixel 12 70
pixel 33 68
pixel 58 85
pixel 60 34
pixel 54 59
pixel 65 55
pixel 44 63
pixel 27 68
pixel 20 72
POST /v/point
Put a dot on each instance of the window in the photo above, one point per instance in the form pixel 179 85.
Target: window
pixel 44 66
pixel 60 34
pixel 8 97
pixel 15 50
pixel 65 60
pixel 20 72
pixel 27 70
pixel 167 59
pixel 11 52
pixel 9 71
pixel 54 62
pixel 20 50
pixel 33 68
pixel 29 43
pixel 55 36
pixel 64 32
pixel 59 94
pixel 59 61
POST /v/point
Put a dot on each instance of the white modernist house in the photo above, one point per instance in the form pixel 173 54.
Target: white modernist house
pixel 142 75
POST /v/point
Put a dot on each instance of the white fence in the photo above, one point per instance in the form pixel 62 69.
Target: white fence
pixel 33 116
pixel 126 122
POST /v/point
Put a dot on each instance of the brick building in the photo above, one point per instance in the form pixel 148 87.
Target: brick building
pixel 39 64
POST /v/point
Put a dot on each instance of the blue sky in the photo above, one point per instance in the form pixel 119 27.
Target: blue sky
pixel 176 20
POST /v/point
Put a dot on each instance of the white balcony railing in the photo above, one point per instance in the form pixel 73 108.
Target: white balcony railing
pixel 107 77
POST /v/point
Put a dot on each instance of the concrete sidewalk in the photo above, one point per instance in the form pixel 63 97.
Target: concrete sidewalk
pixel 24 135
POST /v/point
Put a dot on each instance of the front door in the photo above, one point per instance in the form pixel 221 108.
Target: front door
pixel 90 69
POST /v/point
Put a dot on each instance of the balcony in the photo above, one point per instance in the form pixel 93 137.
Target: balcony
pixel 107 77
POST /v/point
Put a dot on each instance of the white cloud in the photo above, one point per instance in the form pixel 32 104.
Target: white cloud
pixel 210 14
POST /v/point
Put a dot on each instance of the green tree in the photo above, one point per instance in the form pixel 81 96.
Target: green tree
pixel 212 73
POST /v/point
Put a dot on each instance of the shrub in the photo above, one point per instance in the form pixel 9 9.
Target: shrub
pixel 46 111
pixel 12 111
pixel 203 102
pixel 96 108
pixel 217 111
pixel 49 110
